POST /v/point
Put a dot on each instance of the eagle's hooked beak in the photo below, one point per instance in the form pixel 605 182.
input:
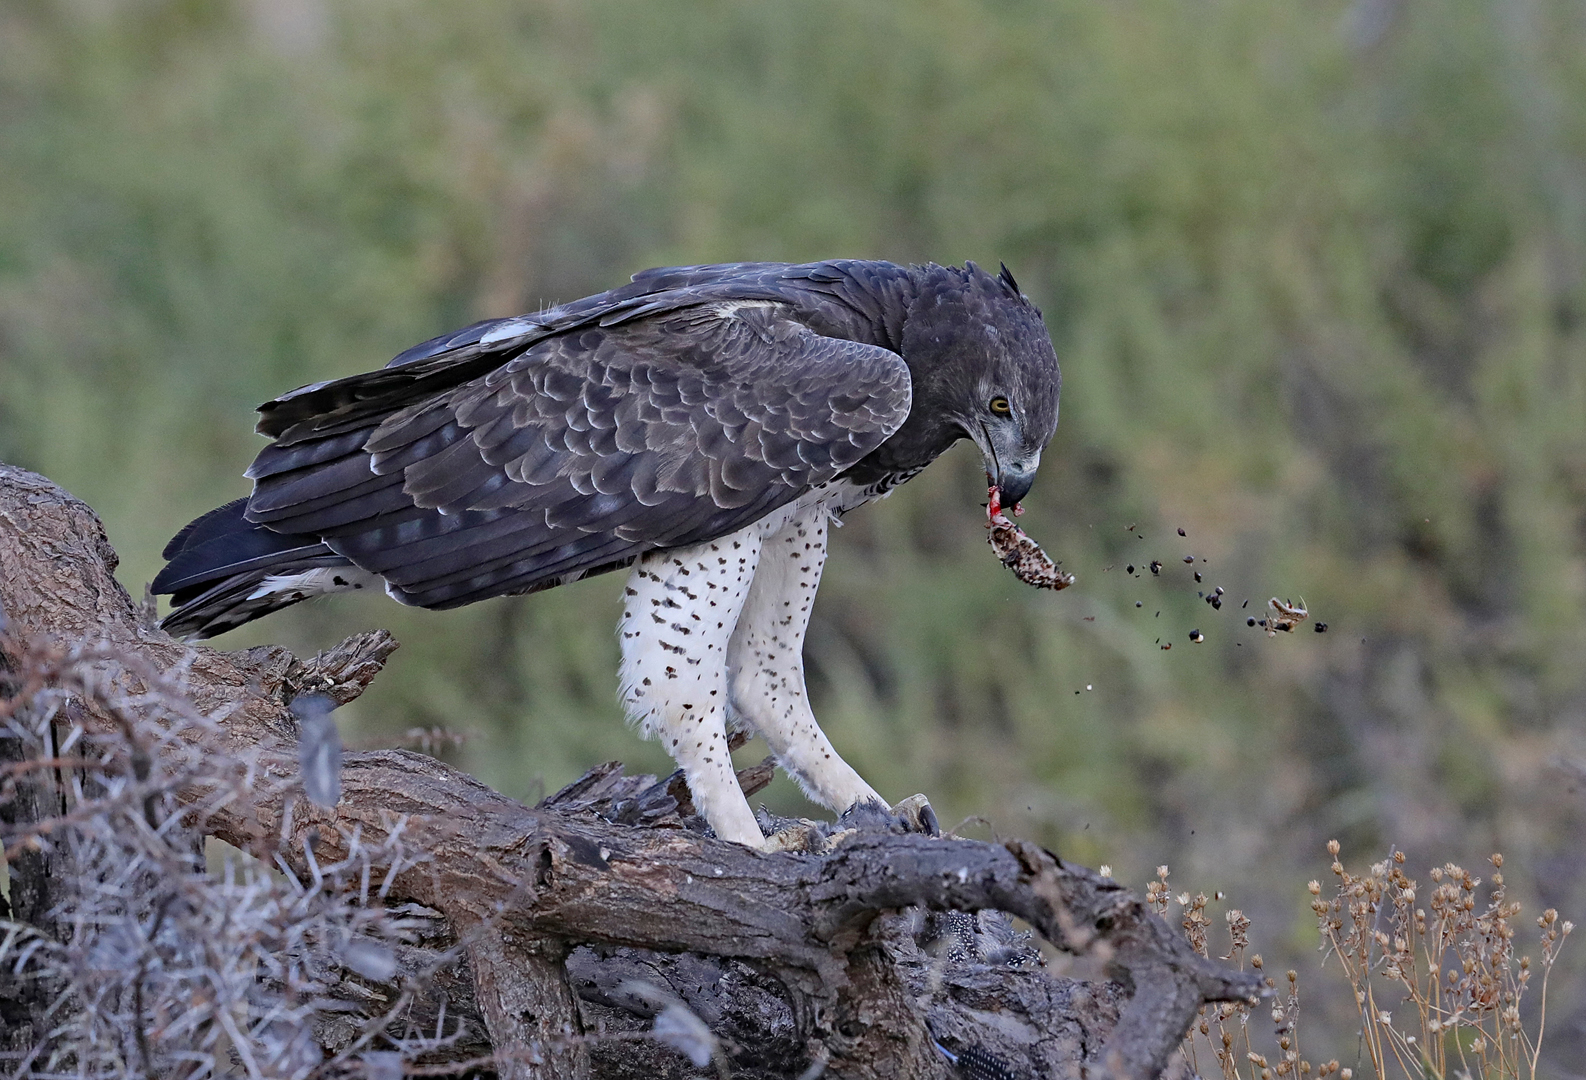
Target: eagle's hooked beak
pixel 1014 480
pixel 1008 467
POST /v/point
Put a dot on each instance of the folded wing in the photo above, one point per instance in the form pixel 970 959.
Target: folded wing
pixel 492 464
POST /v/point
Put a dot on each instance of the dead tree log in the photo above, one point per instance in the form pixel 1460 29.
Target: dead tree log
pixel 578 919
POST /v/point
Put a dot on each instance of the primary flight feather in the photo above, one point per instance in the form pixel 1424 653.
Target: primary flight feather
pixel 701 424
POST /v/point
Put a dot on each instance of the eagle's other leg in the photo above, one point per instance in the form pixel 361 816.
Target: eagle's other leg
pixel 766 663
pixel 679 611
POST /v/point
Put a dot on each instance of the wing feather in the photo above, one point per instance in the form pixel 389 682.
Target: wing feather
pixel 654 426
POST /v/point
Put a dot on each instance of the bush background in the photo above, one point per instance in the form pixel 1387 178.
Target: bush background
pixel 1316 274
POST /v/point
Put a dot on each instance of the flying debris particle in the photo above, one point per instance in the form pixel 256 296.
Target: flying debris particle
pixel 1182 533
pixel 1215 601
pixel 1158 615
pixel 1321 628
pixel 1168 646
pixel 1087 686
pixel 1156 567
pixel 1285 616
pixel 1245 604
pixel 1250 621
pixel 1129 569
pixel 1090 618
pixel 1019 553
pixel 1141 603
pixel 1131 527
pixel 1219 590
pixel 1197 576
pixel 1189 558
pixel 1197 637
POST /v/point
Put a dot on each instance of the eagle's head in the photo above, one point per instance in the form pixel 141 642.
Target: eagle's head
pixel 983 368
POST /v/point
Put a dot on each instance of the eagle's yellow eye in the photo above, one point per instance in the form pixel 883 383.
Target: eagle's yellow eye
pixel 1000 406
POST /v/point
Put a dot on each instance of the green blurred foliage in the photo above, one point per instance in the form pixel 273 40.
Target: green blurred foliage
pixel 1316 273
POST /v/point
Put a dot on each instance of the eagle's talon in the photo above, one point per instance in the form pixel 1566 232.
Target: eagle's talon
pixel 917 815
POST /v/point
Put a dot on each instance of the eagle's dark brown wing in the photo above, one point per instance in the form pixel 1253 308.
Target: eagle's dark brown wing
pixel 658 428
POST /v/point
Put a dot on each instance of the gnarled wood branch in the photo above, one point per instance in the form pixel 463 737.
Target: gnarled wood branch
pixel 563 908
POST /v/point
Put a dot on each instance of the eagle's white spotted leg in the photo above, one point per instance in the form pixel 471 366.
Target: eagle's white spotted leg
pixel 679 611
pixel 766 663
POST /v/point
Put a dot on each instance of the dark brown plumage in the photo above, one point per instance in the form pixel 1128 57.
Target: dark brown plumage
pixel 517 454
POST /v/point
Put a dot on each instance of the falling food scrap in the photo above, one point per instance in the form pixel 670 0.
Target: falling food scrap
pixel 1189 558
pixel 1019 553
pixel 1168 646
pixel 1197 576
pixel 1181 532
pixel 1156 567
pixel 1197 637
pixel 1285 616
pixel 1321 628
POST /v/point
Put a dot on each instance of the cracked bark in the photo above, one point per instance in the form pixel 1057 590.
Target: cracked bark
pixel 562 908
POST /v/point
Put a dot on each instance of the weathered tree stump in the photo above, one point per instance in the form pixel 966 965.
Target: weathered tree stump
pixel 564 928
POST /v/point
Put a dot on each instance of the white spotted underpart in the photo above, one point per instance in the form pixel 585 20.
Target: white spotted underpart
pixel 724 622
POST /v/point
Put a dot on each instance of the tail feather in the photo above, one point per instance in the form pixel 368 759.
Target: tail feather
pixel 223 571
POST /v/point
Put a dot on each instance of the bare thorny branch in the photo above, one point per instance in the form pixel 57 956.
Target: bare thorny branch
pixel 168 968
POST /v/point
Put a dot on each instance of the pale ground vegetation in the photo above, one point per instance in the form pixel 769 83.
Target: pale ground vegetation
pixel 1438 995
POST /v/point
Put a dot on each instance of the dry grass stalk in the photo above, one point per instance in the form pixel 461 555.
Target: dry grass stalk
pixel 1443 963
pixel 1438 987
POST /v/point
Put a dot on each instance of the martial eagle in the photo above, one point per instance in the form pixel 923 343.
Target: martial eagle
pixel 703 425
